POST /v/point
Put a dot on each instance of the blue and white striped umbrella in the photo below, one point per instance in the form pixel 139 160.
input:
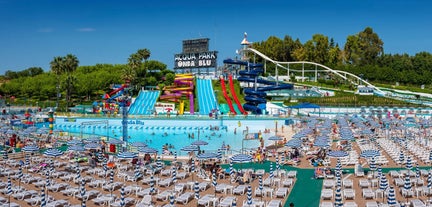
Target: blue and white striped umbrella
pixel 429 182
pixel 234 203
pixel 199 143
pixel 417 170
pixel 391 197
pixel 138 173
pixel 83 192
pixel 192 166
pixel 219 154
pixel 152 184
pixel 159 163
pixel 214 179
pixel 338 197
pixel 5 155
pixel 48 180
pixel 260 184
pixel 271 171
pixel 430 156
pixel 372 164
pixel 93 139
pixel 294 143
pixel 127 155
pixel 401 157
pixel 76 148
pixel 409 163
pixel 27 160
pixel 197 190
pixel 53 152
pixel 206 155
pixel 231 169
pixel 74 142
pixel 115 141
pixel 111 180
pixel 171 198
pixel 379 171
pixel 174 175
pixel 249 195
pixel 92 145
pixel 241 158
pixel 337 153
pixel 138 144
pixel 30 148
pixel 277 164
pixel 369 153
pixel 122 196
pixel 275 138
pixel 383 182
pixel 43 197
pixel 407 183
pixel 9 186
pixel 175 156
pixel 20 172
pixel 147 150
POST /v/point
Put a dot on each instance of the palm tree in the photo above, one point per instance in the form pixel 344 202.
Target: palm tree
pixel 70 65
pixel 57 68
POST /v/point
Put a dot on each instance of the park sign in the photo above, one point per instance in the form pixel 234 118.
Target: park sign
pixel 195 60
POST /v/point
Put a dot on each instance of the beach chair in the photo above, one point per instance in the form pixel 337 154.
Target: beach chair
pixel 372 204
pixel 164 195
pixel 240 190
pixel 274 203
pixel 326 204
pixel 204 185
pixel 128 201
pixel 281 192
pixel 207 200
pixel 165 182
pixel 367 193
pixel 349 193
pixel 350 204
pixel 227 201
pixel 327 194
pixel 184 198
pixel 24 194
pixel 104 199
pixel 146 201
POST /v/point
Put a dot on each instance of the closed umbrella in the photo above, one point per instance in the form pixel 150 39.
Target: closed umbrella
pixel 391 197
pixel 43 197
pixel 83 192
pixel 158 163
pixel 197 190
pixel 338 197
pixel 249 195
pixel 138 173
pixel 271 171
pixel 401 157
pixel 409 164
pixel 111 176
pixel 174 175
pixel 231 171
pixel 171 200
pixel 122 196
pixel 429 182
pixel 20 175
pixel 277 164
pixel 152 184
pixel 214 180
pixel 260 185
pixel 9 187
pixel 5 155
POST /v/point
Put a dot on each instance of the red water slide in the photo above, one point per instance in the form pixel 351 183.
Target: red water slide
pixel 234 95
pixel 228 99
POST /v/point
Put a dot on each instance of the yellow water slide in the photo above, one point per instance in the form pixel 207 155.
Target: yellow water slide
pixel 181 107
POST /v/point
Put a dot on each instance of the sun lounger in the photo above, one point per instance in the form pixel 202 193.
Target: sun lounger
pixel 165 182
pixel 371 204
pixel 145 202
pixel 203 186
pixel 70 191
pixel 184 198
pixel 58 186
pixel 208 200
pixel 281 192
pixel 227 201
pixel 104 199
pixel 56 203
pixel 274 203
pixel 367 193
pixel 164 195
pixel 326 204
pixel 240 190
pixel 349 193
pixel 24 194
pixel 327 194
pixel 350 204
pixel 146 191
pixel 128 201
pixel 328 183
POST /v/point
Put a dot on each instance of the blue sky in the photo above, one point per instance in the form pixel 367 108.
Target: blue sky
pixel 108 31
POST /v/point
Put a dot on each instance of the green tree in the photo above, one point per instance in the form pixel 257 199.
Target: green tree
pixel 363 48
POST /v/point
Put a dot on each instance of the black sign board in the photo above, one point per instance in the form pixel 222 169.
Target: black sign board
pixel 195 60
pixel 196 45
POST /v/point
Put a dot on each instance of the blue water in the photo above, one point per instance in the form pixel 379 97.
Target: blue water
pixel 157 133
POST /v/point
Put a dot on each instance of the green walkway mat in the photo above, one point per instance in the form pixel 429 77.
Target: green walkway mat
pixel 306 190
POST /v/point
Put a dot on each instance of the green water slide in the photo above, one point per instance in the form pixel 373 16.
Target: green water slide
pixel 236 108
pixel 224 108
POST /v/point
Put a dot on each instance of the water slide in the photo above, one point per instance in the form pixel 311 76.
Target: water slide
pixel 227 98
pixel 234 95
pixel 255 96
pixel 181 107
pixel 206 97
pixel 116 93
pixel 183 86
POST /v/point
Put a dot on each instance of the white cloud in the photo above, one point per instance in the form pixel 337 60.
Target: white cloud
pixel 86 29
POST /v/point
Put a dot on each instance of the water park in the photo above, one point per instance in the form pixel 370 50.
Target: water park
pixel 178 145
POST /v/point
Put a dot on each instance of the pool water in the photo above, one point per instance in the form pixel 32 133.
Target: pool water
pixel 177 133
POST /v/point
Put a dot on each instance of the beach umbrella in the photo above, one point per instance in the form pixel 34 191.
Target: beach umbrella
pixel 219 154
pixel 337 153
pixel 20 175
pixel 30 148
pixel 78 172
pixel 175 156
pixel 214 180
pixel 138 174
pixel 105 166
pixel 190 148
pixel 260 184
pixel 197 190
pixel 147 150
pixel 171 197
pixel 383 182
pixel 430 156
pixel 294 143
pixel 9 186
pixel 372 164
pixel 159 163
pixel 401 157
pixel 369 153
pixel 53 152
pixel 48 181
pixel 76 148
pixel 338 197
pixel 234 203
pixel 43 197
pixel 138 144
pixel 5 155
pixel 92 145
pixel 122 196
pixel 275 139
pixel 407 183
pixel 174 175
pixel 111 176
pixel 74 142
pixel 115 141
pixel 27 160
pixel 192 166
pixel 83 192
pixel 241 158
pixel 127 155
pixel 391 197
pixel 277 164
pixel 409 163
pixel 93 139
pixel 199 143
pixel 249 195
pixel 379 171
pixel 152 184
pixel 271 171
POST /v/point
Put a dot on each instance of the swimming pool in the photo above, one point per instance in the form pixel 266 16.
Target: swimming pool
pixel 175 132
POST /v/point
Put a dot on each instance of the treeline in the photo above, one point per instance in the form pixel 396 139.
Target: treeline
pixel 363 55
